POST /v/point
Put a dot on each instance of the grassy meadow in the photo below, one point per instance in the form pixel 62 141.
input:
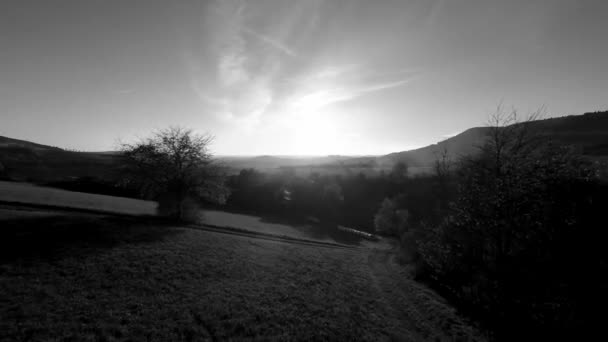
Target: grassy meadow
pixel 44 196
pixel 99 278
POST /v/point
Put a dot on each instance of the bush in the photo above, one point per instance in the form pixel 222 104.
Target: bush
pixel 390 220
pixel 189 208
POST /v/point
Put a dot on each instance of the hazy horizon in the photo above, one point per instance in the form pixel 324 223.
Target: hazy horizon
pixel 289 78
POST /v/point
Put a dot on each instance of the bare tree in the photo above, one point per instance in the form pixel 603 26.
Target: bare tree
pixel 443 163
pixel 443 172
pixel 509 138
pixel 175 167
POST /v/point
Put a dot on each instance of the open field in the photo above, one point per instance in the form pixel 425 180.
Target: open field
pixel 37 195
pixel 276 226
pixel 23 193
pixel 222 218
pixel 93 277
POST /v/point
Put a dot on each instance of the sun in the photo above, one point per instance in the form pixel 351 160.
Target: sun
pixel 313 133
pixel 313 123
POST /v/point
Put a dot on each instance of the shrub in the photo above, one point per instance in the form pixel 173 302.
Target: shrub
pixel 390 220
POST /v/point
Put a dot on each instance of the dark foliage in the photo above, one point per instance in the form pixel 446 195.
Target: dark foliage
pixel 3 174
pixel 522 244
pixel 174 167
pixel 350 200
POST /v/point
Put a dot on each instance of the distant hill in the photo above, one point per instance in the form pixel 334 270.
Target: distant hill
pixel 465 143
pixel 22 160
pixel 587 132
pixel 266 163
pixel 16 143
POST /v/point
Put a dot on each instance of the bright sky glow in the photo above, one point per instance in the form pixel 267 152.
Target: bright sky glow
pixel 290 76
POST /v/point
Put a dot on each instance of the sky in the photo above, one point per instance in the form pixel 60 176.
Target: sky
pixel 293 77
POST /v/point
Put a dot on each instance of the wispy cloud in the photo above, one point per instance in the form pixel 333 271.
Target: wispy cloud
pixel 322 98
pixel 382 86
pixel 258 72
pixel 334 71
pixel 231 69
pixel 239 93
pixel 270 41
pixel 230 45
pixel 334 84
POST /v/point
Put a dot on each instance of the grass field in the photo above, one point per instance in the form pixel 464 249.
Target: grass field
pixel 97 278
pixel 37 195
pixel 277 226
pixel 49 197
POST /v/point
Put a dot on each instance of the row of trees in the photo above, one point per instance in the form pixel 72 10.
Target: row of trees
pixel 350 200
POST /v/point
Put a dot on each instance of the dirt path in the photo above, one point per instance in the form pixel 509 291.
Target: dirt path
pixel 415 312
pixel 423 314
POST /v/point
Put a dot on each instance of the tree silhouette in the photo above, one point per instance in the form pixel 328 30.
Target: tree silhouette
pixel 175 167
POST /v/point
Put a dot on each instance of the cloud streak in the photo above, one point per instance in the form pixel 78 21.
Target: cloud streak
pixel 270 42
pixel 319 99
pixel 259 74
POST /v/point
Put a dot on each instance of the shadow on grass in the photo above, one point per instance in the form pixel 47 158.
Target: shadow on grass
pixel 47 238
pixel 315 231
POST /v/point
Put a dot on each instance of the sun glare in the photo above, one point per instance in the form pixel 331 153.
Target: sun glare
pixel 313 132
pixel 311 121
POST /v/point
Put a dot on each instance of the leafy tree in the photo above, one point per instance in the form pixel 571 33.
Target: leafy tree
pixel 332 199
pixel 399 172
pixel 390 220
pixel 175 167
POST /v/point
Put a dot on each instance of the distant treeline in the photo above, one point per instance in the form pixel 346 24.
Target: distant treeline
pixel 350 200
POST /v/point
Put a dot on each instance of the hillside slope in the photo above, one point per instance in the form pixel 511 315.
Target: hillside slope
pixel 26 161
pixel 587 132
